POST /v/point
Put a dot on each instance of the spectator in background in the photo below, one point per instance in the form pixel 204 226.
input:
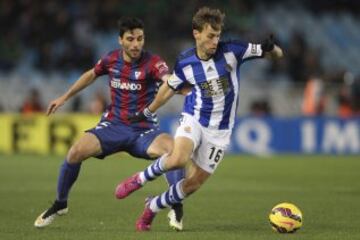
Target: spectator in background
pixel 76 104
pixel 344 103
pixel 10 50
pixel 355 96
pixel 260 108
pixel 314 99
pixel 32 103
pixel 296 56
pixel 98 104
pixel 349 97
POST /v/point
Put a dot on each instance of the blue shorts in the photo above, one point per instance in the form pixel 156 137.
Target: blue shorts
pixel 116 137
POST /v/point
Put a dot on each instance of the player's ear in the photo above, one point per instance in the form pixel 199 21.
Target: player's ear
pixel 196 33
pixel 120 40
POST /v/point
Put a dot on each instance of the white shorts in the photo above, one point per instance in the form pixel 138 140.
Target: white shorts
pixel 209 144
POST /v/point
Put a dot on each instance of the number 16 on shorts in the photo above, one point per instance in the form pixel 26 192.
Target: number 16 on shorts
pixel 215 155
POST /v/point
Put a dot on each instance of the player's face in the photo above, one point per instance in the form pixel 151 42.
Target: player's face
pixel 132 43
pixel 207 41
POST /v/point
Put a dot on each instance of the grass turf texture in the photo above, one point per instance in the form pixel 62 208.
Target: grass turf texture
pixel 233 204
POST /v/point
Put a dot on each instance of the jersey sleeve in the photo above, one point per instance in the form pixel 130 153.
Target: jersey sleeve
pixel 159 68
pixel 177 80
pixel 100 67
pixel 245 51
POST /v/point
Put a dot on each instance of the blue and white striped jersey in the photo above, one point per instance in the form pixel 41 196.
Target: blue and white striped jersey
pixel 214 97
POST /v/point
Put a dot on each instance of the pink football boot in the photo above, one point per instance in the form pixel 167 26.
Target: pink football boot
pixel 144 221
pixel 125 188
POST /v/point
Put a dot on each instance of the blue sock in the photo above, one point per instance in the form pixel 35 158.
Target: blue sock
pixel 68 175
pixel 172 177
pixel 172 196
pixel 153 171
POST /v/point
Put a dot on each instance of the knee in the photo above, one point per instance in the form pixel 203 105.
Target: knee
pixel 168 147
pixel 157 150
pixel 75 154
pixel 176 161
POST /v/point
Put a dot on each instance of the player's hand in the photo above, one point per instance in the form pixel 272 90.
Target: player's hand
pixel 270 49
pixel 277 52
pixel 141 116
pixel 54 105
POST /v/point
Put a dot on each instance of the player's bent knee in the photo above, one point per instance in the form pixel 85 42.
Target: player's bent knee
pixel 176 161
pixel 168 147
pixel 75 154
pixel 162 145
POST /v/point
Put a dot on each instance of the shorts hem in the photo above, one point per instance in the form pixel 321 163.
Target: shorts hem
pixel 101 155
pixel 204 167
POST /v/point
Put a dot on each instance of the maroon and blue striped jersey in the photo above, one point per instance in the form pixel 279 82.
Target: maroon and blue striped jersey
pixel 133 85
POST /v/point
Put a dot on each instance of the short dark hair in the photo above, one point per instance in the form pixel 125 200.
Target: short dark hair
pixel 206 15
pixel 129 24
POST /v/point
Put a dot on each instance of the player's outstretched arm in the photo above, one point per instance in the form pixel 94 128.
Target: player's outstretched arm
pixel 85 80
pixel 270 49
pixel 164 94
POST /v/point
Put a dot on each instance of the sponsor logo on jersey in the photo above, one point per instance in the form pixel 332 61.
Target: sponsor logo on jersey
pixel 215 87
pixel 116 83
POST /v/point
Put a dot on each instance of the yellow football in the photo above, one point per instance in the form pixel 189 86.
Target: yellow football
pixel 286 218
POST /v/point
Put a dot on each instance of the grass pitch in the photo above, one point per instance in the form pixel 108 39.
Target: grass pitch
pixel 233 204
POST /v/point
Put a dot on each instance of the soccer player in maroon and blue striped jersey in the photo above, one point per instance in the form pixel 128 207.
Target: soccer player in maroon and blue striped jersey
pixel 134 78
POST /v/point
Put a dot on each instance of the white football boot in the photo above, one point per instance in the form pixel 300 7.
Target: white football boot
pixel 48 216
pixel 175 217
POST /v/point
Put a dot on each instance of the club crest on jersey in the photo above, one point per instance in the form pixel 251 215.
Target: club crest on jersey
pixel 137 74
pixel 228 67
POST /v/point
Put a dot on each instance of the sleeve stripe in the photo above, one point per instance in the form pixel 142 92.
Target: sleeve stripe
pixel 174 82
pixel 253 51
pixel 171 86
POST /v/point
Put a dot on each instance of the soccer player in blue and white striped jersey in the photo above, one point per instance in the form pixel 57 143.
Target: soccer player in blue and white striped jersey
pixel 212 68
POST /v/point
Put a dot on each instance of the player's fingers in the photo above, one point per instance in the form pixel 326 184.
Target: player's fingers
pixel 52 108
pixel 279 51
pixel 49 109
pixel 56 106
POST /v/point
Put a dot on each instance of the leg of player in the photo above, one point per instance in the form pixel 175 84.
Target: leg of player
pixel 180 155
pixel 175 194
pixel 87 146
pixel 176 213
pixel 163 144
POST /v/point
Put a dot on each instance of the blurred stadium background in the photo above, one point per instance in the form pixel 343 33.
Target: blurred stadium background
pixel 307 103
pixel 45 46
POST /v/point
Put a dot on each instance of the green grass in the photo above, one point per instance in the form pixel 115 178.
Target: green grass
pixel 233 204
